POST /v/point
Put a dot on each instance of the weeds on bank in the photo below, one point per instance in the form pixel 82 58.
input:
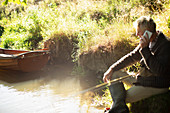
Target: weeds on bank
pixel 92 22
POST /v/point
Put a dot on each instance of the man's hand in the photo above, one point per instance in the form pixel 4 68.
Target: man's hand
pixel 107 75
pixel 144 41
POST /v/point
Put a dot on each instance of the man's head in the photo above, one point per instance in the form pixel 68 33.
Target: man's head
pixel 144 23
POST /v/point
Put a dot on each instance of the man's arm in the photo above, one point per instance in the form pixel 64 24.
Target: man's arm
pixel 160 64
pixel 125 61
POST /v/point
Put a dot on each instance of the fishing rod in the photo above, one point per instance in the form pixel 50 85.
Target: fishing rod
pixel 101 85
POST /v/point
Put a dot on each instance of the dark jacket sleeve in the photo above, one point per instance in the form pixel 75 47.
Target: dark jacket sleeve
pixel 127 60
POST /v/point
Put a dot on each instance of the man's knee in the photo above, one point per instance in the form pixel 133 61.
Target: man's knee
pixel 136 93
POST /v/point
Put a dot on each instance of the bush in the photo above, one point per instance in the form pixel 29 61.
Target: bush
pixel 1 30
pixel 90 22
pixel 23 32
pixel 169 22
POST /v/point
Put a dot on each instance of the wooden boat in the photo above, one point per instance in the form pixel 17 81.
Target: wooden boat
pixel 21 60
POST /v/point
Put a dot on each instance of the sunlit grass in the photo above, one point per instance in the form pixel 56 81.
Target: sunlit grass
pixel 92 22
pixel 162 21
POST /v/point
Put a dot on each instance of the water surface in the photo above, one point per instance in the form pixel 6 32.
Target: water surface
pixel 47 91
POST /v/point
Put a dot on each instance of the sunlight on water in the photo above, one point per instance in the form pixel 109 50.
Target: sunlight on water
pixel 40 96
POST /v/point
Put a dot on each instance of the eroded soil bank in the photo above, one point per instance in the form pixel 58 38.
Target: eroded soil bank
pixel 95 60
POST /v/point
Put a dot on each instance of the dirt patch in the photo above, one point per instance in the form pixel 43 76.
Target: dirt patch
pixel 60 47
pixel 100 59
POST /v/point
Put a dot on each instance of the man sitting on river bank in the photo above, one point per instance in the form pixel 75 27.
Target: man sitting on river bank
pixel 154 75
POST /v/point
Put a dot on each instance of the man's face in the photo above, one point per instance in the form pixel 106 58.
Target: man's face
pixel 139 32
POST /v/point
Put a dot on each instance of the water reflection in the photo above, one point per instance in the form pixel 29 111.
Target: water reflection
pixel 44 92
pixel 42 101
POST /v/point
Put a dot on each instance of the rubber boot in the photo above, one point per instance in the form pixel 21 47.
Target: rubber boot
pixel 118 94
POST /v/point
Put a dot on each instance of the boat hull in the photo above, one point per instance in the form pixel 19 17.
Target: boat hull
pixel 26 61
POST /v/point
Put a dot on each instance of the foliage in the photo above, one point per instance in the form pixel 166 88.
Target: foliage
pixel 23 33
pixel 134 68
pixel 15 1
pixel 169 22
pixel 1 30
pixel 105 100
pixel 91 22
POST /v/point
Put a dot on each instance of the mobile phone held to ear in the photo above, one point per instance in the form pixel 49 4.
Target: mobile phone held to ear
pixel 149 34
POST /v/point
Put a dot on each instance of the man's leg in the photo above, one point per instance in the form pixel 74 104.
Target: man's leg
pixel 136 93
pixel 118 94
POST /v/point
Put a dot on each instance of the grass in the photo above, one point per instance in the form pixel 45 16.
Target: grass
pixel 92 22
pixel 162 20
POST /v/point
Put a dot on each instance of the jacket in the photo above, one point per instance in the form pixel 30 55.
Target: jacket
pixel 155 69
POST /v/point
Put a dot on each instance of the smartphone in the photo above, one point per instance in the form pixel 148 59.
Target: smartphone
pixel 149 34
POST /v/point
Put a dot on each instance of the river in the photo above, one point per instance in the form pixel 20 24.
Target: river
pixel 47 91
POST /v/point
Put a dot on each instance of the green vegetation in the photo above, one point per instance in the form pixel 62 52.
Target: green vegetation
pixel 14 1
pixel 22 32
pixel 169 22
pixel 91 22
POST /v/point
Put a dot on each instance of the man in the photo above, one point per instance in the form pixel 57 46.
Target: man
pixel 154 76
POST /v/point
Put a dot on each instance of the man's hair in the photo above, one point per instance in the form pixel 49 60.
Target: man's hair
pixel 146 23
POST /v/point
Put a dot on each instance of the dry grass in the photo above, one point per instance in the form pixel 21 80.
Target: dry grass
pixel 162 21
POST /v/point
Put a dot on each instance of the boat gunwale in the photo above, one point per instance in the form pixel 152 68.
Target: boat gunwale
pixel 22 55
